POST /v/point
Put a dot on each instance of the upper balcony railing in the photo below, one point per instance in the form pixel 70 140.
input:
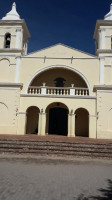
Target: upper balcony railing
pixel 58 91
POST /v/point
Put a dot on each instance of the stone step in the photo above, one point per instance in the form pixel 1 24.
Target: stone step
pixel 67 144
pixel 53 149
pixel 56 148
pixel 58 152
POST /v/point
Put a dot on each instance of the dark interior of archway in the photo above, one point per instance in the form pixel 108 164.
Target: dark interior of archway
pixel 81 123
pixel 32 120
pixel 59 82
pixel 59 78
pixel 58 121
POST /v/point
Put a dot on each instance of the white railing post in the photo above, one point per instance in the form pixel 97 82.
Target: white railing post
pixel 72 90
pixel 43 89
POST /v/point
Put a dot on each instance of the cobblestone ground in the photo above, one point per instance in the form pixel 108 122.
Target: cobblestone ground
pixel 53 179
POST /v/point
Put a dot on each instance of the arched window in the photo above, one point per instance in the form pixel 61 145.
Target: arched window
pixel 7 40
pixel 59 82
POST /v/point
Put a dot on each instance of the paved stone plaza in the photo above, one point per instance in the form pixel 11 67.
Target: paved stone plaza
pixel 54 179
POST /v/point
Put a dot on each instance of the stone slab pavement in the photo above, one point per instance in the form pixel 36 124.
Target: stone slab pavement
pixel 54 178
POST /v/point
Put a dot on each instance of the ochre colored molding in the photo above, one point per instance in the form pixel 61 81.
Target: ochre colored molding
pixel 15 85
pixel 102 87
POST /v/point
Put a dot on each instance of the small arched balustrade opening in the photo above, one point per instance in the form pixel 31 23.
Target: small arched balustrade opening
pixel 32 120
pixel 7 40
pixel 82 122
pixel 57 119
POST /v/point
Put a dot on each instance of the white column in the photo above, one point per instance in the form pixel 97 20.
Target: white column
pixel 22 119
pixel 18 38
pixel 102 70
pixel 18 59
pixel 71 125
pixel 26 48
pixel 2 38
pixel 42 124
pixel 92 126
pixel 101 39
pixel 22 38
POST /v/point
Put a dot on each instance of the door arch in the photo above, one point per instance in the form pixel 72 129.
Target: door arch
pixel 82 122
pixel 57 119
pixel 32 120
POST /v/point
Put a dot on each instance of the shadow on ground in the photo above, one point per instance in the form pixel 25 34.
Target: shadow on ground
pixel 106 194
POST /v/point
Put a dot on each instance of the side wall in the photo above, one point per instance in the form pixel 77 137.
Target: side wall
pixel 9 106
pixel 7 69
pixel 104 111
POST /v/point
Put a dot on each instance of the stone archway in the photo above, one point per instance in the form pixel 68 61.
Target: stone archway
pixel 82 122
pixel 57 119
pixel 32 120
pixel 68 74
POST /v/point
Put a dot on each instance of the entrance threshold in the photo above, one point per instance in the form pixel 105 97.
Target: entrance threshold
pixel 54 138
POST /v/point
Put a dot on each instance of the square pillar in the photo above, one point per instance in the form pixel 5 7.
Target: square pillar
pixel 71 125
pixel 72 90
pixel 102 70
pixel 22 119
pixel 42 124
pixel 43 89
pixel 2 38
pixel 92 126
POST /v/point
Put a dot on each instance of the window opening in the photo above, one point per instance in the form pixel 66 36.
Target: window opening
pixel 7 40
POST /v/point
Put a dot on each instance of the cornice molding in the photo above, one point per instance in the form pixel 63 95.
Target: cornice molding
pixel 102 87
pixel 101 23
pixel 103 51
pixel 59 96
pixel 14 50
pixel 15 85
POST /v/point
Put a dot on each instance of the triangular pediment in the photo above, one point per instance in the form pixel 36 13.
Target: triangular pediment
pixel 60 51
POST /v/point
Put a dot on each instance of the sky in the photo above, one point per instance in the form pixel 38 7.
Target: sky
pixel 70 22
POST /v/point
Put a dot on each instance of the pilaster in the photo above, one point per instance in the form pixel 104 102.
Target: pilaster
pixel 22 119
pixel 42 123
pixel 17 75
pixel 71 125
pixel 92 126
pixel 18 38
pixel 102 70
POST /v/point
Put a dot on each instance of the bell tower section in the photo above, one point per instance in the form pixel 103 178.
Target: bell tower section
pixel 14 34
pixel 103 40
pixel 103 35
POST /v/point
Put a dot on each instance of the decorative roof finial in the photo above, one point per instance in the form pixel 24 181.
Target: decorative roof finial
pixel 111 7
pixel 109 15
pixel 12 15
pixel 14 6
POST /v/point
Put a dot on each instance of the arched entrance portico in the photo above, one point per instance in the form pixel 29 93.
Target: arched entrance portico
pixel 82 122
pixel 57 119
pixel 32 120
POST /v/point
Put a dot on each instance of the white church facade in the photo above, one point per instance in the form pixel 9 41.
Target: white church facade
pixel 58 90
